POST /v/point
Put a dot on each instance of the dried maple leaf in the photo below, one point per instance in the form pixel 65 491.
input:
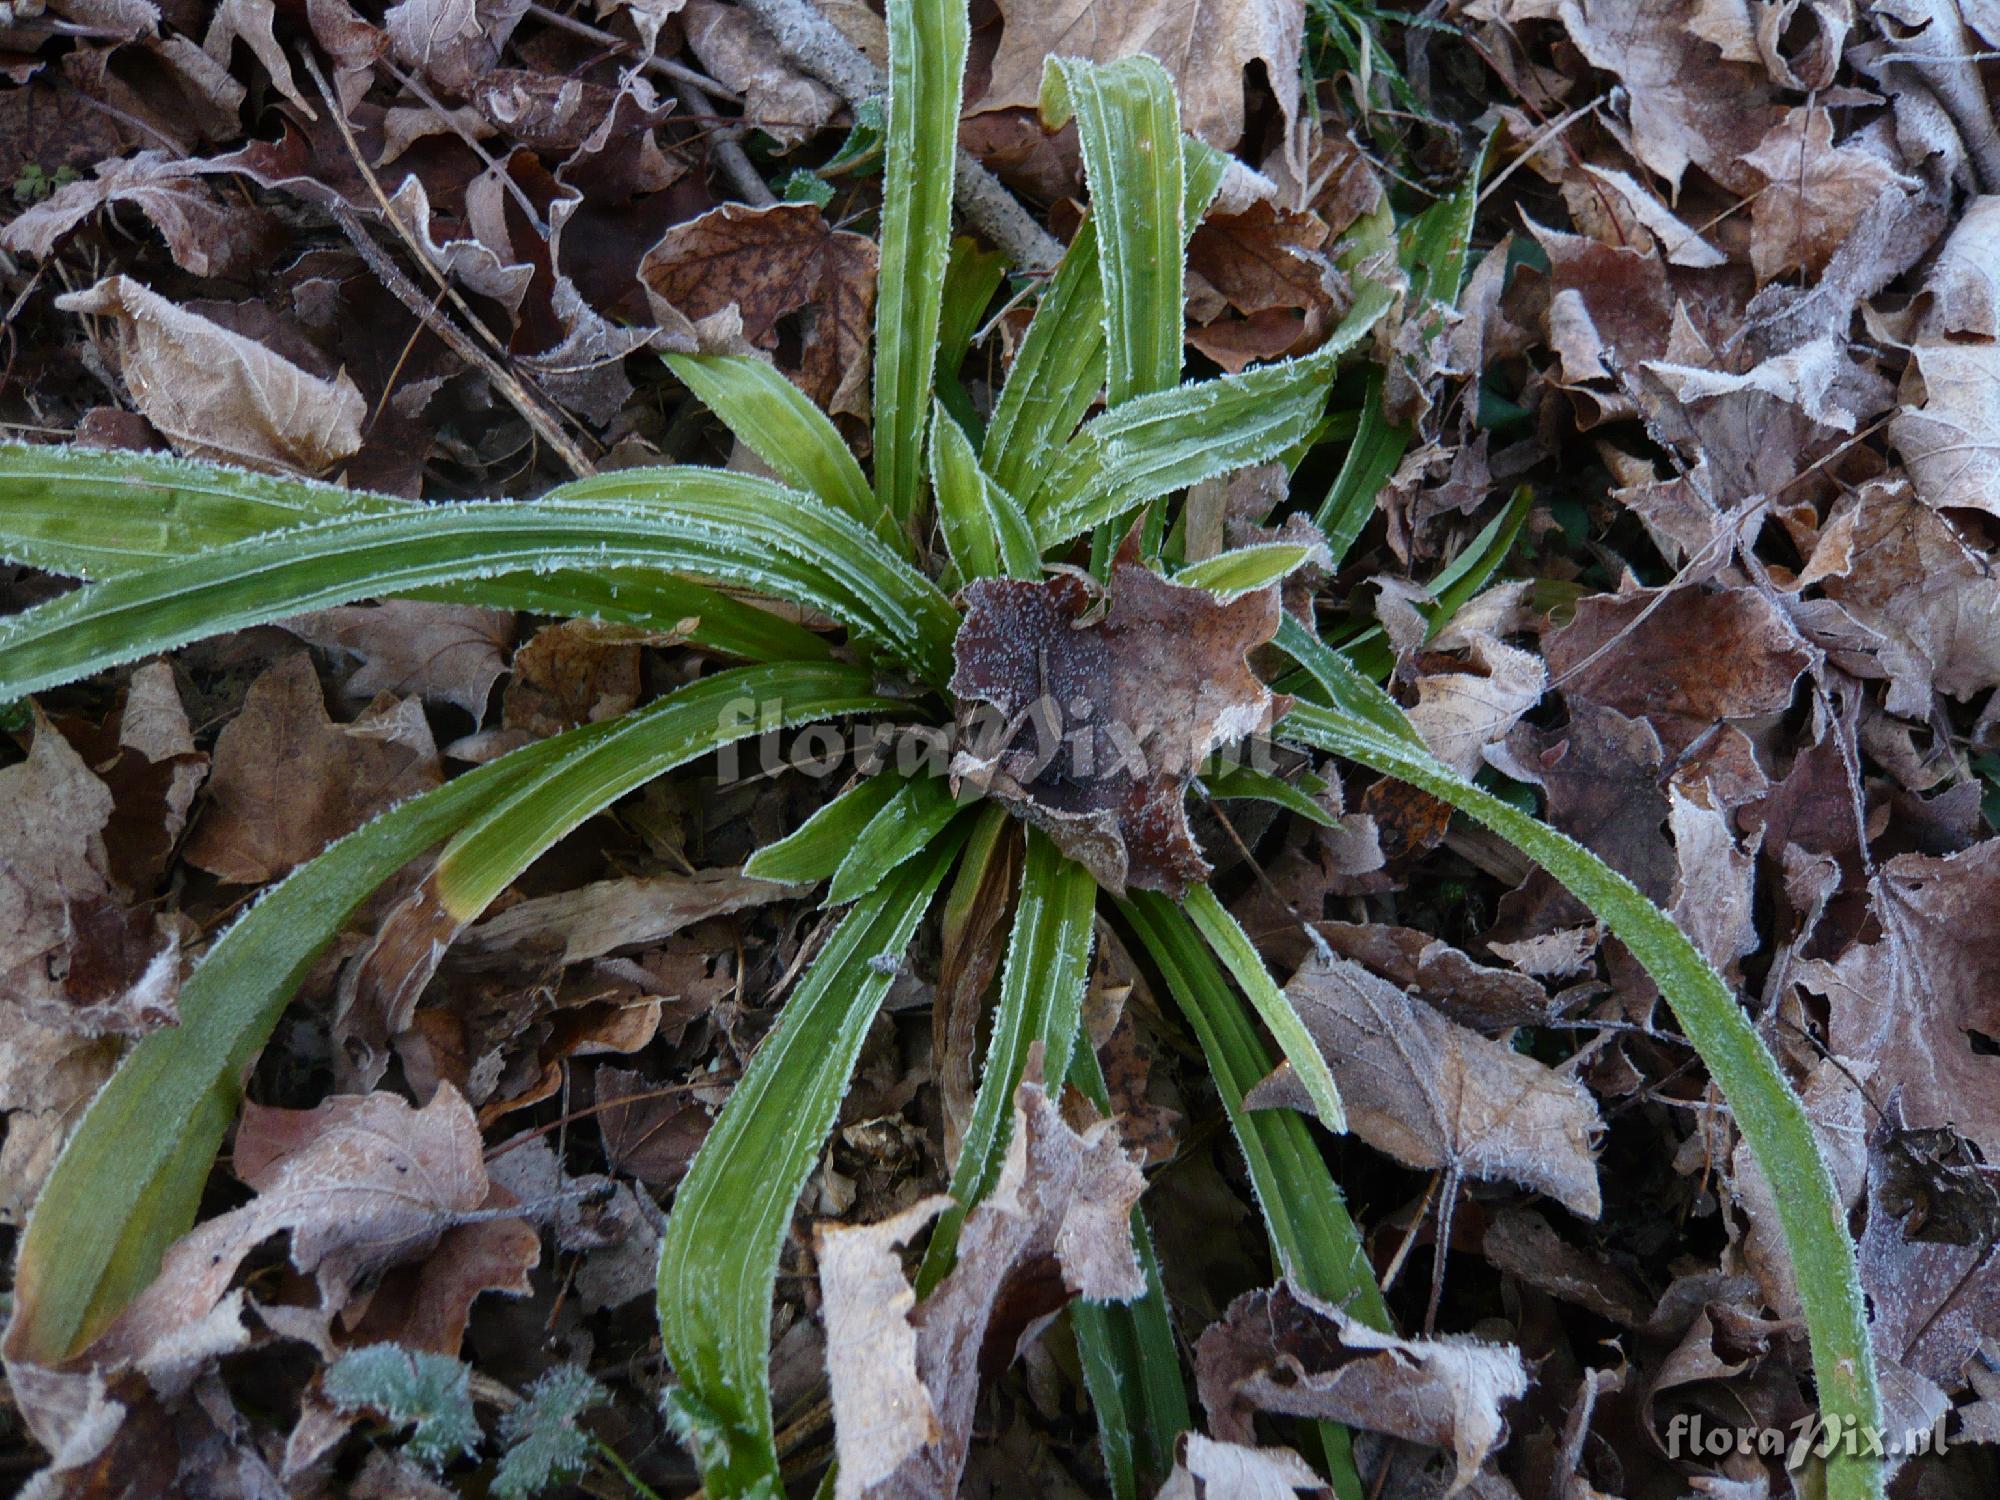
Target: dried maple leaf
pixel 442 653
pixel 1460 713
pixel 1683 662
pixel 1268 265
pixel 1918 1002
pixel 1121 709
pixel 1950 435
pixel 288 781
pixel 1438 1096
pixel 218 394
pixel 1816 193
pixel 1905 572
pixel 769 263
pixel 650 1132
pixel 1284 1351
pixel 1688 103
pixel 905 1382
pixel 1205 45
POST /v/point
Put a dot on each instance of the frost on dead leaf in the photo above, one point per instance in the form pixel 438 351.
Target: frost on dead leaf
pixel 740 55
pixel 769 263
pixel 1209 1470
pixel 454 42
pixel 361 1183
pixel 905 1380
pixel 1683 662
pixel 1815 193
pixel 1205 45
pixel 1104 713
pixel 1285 1352
pixel 1949 433
pixel 1438 1096
pixel 215 393
pixel 1460 713
pixel 288 781
pixel 1917 1001
pixel 206 234
pixel 442 653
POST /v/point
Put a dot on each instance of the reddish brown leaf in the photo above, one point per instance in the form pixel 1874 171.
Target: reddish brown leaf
pixel 768 263
pixel 288 781
pixel 1102 722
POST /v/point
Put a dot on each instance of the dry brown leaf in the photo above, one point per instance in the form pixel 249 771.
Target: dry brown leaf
pixel 1918 1003
pixel 205 235
pixel 454 42
pixel 1284 1351
pixel 654 1132
pixel 1205 45
pixel 1715 892
pixel 634 911
pixel 1688 104
pixel 905 1383
pixel 361 1183
pixel 217 394
pixel 441 653
pixel 768 263
pixel 572 673
pixel 741 55
pixel 1438 1096
pixel 1460 713
pixel 1268 264
pixel 1908 575
pixel 1684 663
pixel 1471 994
pixel 1103 722
pixel 1949 431
pixel 1208 1470
pixel 288 781
pixel 72 954
pixel 1815 193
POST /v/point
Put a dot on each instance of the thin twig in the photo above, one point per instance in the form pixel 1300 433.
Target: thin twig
pixel 725 149
pixel 816 45
pixel 677 72
pixel 404 290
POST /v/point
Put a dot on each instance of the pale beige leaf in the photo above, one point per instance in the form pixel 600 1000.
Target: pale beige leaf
pixel 217 394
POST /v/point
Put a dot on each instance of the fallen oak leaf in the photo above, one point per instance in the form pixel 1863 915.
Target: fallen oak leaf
pixel 1438 1096
pixel 905 1378
pixel 1205 46
pixel 1284 1351
pixel 1124 709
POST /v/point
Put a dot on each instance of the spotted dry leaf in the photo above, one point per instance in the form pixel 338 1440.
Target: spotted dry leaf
pixel 1090 716
pixel 769 263
pixel 1438 1096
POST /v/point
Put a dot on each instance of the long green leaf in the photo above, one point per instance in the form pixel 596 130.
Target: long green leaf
pixel 907 822
pixel 1227 940
pixel 86 513
pixel 983 528
pixel 927 43
pixel 816 847
pixel 1128 123
pixel 705 522
pixel 131 1177
pixel 779 423
pixel 719 1256
pixel 1041 1000
pixel 1769 1114
pixel 1314 1238
pixel 1156 444
pixel 1131 1364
